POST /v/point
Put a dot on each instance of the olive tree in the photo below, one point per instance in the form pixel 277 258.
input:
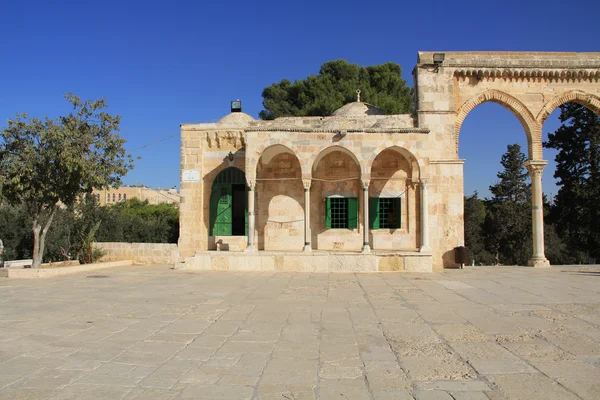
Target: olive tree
pixel 45 163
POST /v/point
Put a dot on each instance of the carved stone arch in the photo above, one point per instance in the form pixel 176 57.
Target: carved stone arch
pixel 575 96
pixel 324 150
pixel 252 163
pixel 524 115
pixel 405 152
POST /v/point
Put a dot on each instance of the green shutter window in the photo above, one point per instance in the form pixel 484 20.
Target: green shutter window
pixel 352 213
pixel 374 213
pixel 328 213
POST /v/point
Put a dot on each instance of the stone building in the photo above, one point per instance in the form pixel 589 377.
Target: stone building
pixel 359 190
pixel 153 196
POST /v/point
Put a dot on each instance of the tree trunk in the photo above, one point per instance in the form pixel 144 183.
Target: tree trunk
pixel 37 257
pixel 39 238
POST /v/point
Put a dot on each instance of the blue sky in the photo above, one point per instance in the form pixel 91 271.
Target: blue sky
pixel 160 64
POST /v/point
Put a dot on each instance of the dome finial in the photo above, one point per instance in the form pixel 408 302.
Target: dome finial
pixel 358 95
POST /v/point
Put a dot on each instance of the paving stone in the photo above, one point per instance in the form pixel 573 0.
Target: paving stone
pixel 529 386
pixel 433 395
pixel 376 336
pixel 586 389
pixel 453 386
pixel 229 392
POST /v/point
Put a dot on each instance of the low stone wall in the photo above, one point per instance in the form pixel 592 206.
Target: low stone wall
pixel 140 253
pixel 33 273
pixel 308 262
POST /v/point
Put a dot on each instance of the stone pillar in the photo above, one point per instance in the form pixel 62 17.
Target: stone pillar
pixel 251 217
pixel 535 168
pixel 425 248
pixel 307 233
pixel 365 184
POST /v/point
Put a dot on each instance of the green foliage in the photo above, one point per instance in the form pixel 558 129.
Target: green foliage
pixel 136 221
pixel 15 232
pixel 44 162
pixel 575 211
pixel 508 219
pixel 475 214
pixel 335 85
pixel 76 228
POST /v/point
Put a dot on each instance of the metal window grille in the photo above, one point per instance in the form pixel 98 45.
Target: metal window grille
pixel 388 213
pixel 339 213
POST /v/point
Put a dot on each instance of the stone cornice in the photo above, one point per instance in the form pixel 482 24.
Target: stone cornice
pixel 585 73
pixel 320 130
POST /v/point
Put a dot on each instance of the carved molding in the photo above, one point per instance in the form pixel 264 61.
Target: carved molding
pixel 536 167
pixel 528 74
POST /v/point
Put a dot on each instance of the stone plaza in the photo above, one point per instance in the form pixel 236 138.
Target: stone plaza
pixel 151 332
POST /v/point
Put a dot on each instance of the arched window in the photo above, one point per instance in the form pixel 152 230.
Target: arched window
pixel 108 197
pixel 113 197
pixel 124 196
pixel 229 204
pixel 119 196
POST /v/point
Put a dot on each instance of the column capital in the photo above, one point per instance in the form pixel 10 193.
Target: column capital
pixel 306 183
pixel 535 167
pixel 365 183
pixel 423 183
pixel 251 184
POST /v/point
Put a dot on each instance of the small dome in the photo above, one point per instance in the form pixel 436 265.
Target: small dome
pixel 357 109
pixel 236 119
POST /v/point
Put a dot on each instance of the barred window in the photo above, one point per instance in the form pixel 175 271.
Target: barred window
pixel 384 213
pixel 341 213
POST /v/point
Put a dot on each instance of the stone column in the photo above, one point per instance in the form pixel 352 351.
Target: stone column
pixel 251 217
pixel 425 248
pixel 365 184
pixel 535 168
pixel 307 233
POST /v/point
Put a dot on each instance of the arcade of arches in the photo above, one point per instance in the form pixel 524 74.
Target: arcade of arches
pixel 359 190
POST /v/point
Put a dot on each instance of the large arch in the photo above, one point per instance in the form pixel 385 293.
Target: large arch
pixel 279 207
pixel 336 218
pixel 574 96
pixel 393 199
pixel 523 114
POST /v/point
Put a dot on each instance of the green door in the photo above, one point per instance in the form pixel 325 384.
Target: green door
pixel 222 218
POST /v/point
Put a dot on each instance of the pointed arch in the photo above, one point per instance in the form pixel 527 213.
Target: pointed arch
pixel 252 158
pixel 574 96
pixel 530 124
pixel 316 157
pixel 415 163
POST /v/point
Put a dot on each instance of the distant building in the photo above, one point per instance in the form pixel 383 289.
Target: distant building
pixel 154 196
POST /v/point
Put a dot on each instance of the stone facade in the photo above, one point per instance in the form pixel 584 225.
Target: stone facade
pixel 153 196
pixel 293 166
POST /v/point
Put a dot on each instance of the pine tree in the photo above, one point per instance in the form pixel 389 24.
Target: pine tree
pixel 475 213
pixel 575 211
pixel 508 221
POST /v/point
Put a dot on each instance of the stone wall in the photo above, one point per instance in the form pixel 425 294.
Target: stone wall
pixel 308 262
pixel 140 253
